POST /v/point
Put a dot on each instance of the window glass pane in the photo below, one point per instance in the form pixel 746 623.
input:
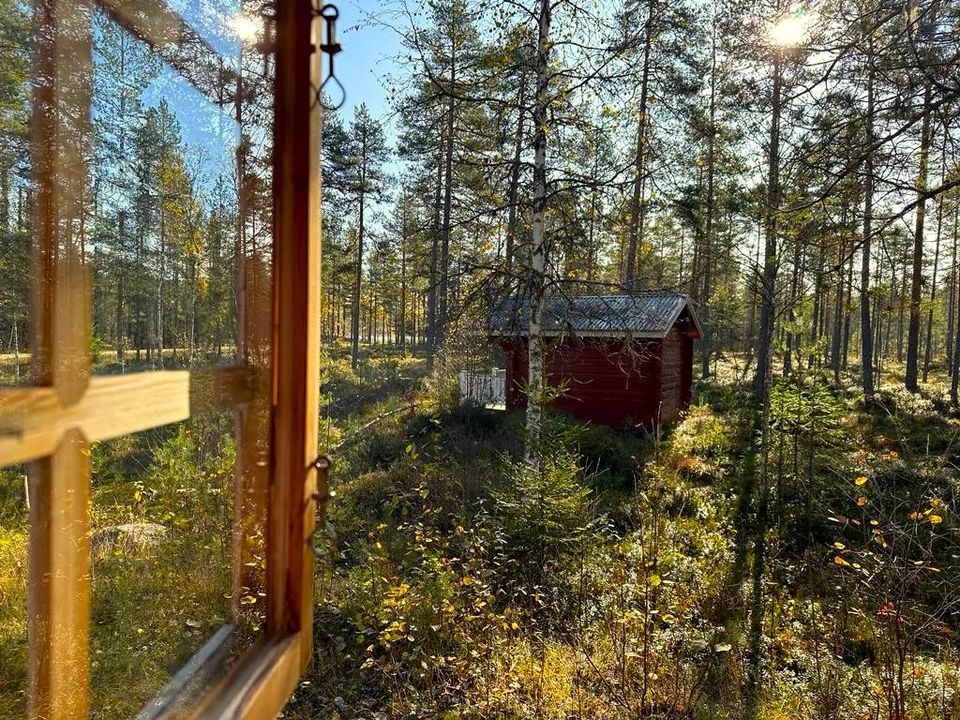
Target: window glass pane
pixel 164 204
pixel 180 258
pixel 165 535
pixel 15 193
pixel 14 546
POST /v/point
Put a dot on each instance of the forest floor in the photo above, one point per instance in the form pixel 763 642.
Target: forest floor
pixel 637 576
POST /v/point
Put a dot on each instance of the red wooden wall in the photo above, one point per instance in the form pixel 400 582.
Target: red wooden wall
pixel 609 381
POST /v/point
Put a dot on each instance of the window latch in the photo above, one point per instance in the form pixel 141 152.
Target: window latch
pixel 331 85
pixel 323 464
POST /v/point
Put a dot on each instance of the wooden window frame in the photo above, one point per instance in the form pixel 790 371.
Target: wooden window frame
pixel 51 425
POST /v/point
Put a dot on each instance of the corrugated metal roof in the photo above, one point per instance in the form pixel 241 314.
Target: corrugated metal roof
pixel 649 315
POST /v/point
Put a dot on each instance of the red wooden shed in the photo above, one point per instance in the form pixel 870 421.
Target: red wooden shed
pixel 624 360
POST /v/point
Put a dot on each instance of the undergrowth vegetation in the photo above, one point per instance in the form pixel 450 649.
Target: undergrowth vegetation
pixel 637 574
pixel 620 580
pixel 161 522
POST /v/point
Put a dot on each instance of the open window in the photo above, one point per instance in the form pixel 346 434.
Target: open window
pixel 166 425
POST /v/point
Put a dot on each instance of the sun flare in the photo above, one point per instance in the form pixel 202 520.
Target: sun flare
pixel 245 27
pixel 790 30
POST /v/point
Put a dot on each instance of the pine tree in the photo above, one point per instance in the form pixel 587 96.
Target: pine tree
pixel 363 183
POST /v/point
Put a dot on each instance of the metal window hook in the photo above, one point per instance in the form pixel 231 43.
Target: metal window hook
pixel 330 47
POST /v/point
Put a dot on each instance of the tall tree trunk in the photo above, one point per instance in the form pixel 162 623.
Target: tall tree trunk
pixel 818 305
pixel 901 307
pixel 403 283
pixel 371 317
pixel 513 191
pixel 770 260
pixel 414 318
pixel 708 258
pixel 888 328
pixel 538 249
pixel 928 346
pixel 955 374
pixel 191 307
pixel 121 234
pixel 878 335
pixel 836 338
pixel 447 195
pixel 5 196
pixel 755 289
pixel 635 236
pixel 848 303
pixel 951 306
pixel 792 340
pixel 240 295
pixel 866 336
pixel 761 389
pixel 434 287
pixel 916 288
pixel 358 280
pixel 158 326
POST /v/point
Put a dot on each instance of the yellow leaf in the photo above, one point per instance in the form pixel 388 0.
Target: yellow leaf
pixel 936 519
pixel 862 480
pixel 840 561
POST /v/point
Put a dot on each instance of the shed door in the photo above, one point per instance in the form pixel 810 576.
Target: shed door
pixel 672 375
pixel 161 408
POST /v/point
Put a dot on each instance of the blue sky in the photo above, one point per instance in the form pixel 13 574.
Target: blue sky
pixel 363 66
pixel 367 57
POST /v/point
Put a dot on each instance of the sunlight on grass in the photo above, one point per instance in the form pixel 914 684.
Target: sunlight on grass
pixel 162 521
pixel 13 600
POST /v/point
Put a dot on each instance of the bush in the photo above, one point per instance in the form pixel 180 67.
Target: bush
pixel 418 615
pixel 702 445
pixel 612 457
pixel 703 433
pixel 914 406
pixel 545 523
